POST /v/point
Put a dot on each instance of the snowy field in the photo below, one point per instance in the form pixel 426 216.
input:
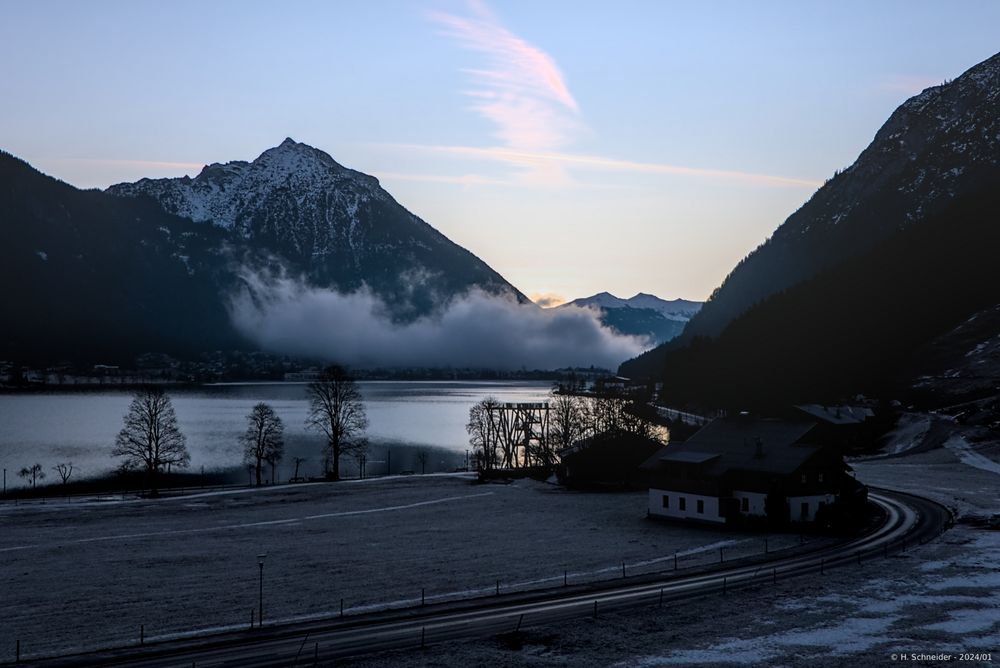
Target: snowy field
pixel 86 575
pixel 940 598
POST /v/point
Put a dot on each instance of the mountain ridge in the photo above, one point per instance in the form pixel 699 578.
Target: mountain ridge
pixel 644 315
pixel 333 225
pixel 936 146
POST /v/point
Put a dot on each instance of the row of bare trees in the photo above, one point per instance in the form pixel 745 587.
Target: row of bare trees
pixel 34 473
pixel 151 440
pixel 570 418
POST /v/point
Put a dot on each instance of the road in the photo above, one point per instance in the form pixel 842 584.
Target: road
pixel 908 520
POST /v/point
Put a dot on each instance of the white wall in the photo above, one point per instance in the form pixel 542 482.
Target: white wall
pixel 795 506
pixel 711 506
pixel 756 502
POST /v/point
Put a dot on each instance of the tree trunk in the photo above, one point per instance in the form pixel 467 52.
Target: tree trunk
pixel 258 473
pixel 335 447
pixel 153 488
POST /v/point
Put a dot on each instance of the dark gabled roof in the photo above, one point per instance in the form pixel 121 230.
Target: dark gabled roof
pixel 837 414
pixel 614 438
pixel 730 444
pixel 688 456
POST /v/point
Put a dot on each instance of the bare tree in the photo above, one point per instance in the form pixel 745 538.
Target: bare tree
pixel 337 410
pixel 422 459
pixel 483 434
pixel 64 471
pixel 150 438
pixel 264 439
pixel 568 421
pixel 33 472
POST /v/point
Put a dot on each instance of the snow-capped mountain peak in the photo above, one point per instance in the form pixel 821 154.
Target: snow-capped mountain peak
pixel 334 225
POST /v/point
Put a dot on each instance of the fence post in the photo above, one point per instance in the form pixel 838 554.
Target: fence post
pixel 661 597
pixel 341 607
pixel 623 570
pixel 519 620
pixel 724 582
pixel 595 609
pixel 565 578
pixel 142 633
pixel 421 596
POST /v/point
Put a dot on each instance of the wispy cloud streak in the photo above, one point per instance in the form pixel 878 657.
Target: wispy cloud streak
pixel 523 93
pixel 520 90
pixel 149 164
pixel 539 159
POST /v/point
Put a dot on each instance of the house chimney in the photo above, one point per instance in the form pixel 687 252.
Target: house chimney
pixel 759 453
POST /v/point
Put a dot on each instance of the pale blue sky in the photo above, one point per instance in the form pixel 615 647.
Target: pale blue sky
pixel 575 146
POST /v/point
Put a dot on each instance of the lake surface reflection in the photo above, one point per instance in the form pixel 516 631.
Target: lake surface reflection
pixel 405 417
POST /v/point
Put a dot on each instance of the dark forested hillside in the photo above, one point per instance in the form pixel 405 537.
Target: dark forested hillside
pixel 89 276
pixel 933 150
pixel 853 328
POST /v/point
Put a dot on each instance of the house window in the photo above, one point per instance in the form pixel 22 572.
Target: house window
pixel 805 511
pixel 820 477
pixel 701 506
pixel 666 501
pixel 682 503
pixel 745 504
pixel 803 478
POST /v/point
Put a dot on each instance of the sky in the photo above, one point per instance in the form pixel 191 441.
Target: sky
pixel 575 146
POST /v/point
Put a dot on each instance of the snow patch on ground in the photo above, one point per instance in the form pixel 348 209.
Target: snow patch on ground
pixel 961 449
pixel 909 433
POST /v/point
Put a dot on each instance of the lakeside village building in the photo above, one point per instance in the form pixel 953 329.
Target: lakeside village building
pixel 745 470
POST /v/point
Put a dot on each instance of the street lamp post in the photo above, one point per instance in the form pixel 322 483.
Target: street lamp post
pixel 260 599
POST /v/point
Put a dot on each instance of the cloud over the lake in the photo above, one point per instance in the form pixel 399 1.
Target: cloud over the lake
pixel 478 330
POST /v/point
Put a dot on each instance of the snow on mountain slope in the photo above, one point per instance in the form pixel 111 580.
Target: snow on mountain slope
pixel 675 309
pixel 335 226
pixel 645 315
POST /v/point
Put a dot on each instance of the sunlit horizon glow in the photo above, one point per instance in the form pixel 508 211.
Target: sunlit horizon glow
pixel 577 149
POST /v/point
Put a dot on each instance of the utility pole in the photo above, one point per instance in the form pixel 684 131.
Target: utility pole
pixel 260 599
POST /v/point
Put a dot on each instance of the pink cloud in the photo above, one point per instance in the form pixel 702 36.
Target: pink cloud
pixel 521 90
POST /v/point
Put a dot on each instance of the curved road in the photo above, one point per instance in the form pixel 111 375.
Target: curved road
pixel 908 520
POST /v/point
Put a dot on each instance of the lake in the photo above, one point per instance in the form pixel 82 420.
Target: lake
pixel 405 418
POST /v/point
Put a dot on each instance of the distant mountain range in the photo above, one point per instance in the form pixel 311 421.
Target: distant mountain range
pixel 644 315
pixel 889 254
pixel 152 265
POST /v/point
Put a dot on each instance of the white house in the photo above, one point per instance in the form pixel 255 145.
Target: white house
pixel 743 468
